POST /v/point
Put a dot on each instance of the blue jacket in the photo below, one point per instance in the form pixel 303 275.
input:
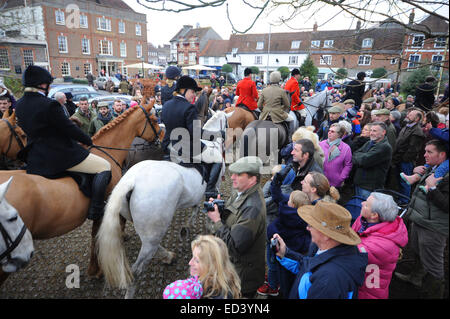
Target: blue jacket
pixel 334 274
pixel 288 224
pixel 441 134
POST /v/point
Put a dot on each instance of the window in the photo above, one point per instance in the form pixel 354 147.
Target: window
pixel 85 46
pixel 59 17
pixel 295 44
pixel 121 27
pixel 437 62
pixel 293 59
pixel 325 59
pixel 4 59
pixel 84 21
pixel 138 51
pixel 181 58
pixel 258 59
pixel 315 44
pixel 2 33
pixel 105 47
pixel 259 45
pixel 138 29
pixel 414 60
pixel 394 60
pixel 439 42
pixel 192 57
pixel 234 52
pixel 87 68
pixel 364 60
pixel 192 44
pixel 62 44
pixel 216 60
pixel 103 24
pixel 418 41
pixel 367 43
pixel 205 60
pixel 328 43
pixel 123 49
pixel 65 69
pixel 28 58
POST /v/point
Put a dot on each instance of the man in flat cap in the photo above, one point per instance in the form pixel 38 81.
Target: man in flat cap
pixel 242 224
pixel 383 115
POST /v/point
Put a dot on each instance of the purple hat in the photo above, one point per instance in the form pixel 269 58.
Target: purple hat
pixel 189 288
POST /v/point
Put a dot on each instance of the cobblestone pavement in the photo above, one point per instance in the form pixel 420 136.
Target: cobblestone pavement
pixel 45 276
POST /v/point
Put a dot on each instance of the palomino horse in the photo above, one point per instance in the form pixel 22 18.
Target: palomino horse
pixel 12 137
pixel 52 208
pixel 16 243
pixel 148 194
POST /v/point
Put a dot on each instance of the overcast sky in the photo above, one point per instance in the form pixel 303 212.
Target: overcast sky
pixel 162 26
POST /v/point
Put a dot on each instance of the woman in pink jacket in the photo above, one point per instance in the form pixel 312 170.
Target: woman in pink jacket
pixel 338 156
pixel 382 235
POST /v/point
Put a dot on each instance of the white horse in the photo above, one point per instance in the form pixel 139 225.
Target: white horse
pixel 16 243
pixel 314 108
pixel 148 195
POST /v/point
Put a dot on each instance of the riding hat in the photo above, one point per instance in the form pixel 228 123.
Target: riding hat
pixel 248 164
pixel 35 75
pixel 172 72
pixel 186 82
pixel 295 71
pixel 332 220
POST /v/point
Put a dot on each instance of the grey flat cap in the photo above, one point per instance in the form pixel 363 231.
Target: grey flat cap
pixel 248 164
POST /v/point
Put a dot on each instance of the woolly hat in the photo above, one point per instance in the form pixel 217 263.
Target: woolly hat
pixel 189 288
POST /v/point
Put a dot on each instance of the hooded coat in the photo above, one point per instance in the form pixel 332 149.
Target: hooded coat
pixel 382 243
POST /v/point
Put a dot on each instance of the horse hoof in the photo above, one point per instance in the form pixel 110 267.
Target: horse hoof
pixel 93 271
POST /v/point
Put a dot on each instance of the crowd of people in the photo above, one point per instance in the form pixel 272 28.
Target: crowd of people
pixel 295 237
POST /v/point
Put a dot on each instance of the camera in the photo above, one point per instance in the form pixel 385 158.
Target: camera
pixel 273 245
pixel 208 207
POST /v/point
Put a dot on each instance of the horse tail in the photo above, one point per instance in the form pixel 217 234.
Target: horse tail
pixel 110 249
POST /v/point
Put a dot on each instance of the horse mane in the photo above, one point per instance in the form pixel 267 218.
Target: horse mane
pixel 114 123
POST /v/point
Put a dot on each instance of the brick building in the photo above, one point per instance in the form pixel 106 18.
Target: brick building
pixel 86 36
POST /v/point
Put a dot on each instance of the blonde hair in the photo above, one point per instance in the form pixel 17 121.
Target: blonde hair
pixel 276 169
pixel 299 198
pixel 322 185
pixel 219 277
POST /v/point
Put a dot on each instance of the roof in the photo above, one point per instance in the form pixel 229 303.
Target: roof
pixel 432 24
pixel 117 4
pixel 215 48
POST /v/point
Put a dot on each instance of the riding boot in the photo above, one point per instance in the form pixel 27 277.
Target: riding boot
pixel 214 173
pixel 99 185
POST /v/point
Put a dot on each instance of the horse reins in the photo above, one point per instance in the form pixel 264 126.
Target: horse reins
pixel 148 121
pixel 10 244
pixel 13 134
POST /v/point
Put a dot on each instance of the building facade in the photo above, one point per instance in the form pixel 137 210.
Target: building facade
pixel 87 36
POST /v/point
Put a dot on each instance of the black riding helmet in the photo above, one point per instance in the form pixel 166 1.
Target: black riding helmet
pixel 186 82
pixel 35 75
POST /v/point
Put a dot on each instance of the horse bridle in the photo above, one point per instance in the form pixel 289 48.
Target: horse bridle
pixel 148 121
pixel 13 134
pixel 10 244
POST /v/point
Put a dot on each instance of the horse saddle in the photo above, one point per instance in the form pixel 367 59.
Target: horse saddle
pixel 83 180
pixel 255 112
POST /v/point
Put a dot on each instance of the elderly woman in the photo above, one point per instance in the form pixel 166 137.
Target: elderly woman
pixel 338 156
pixel 382 235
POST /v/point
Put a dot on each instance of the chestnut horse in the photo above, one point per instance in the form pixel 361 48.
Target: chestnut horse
pixel 51 208
pixel 12 137
pixel 237 119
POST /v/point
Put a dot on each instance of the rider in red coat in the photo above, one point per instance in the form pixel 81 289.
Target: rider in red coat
pixel 294 90
pixel 246 90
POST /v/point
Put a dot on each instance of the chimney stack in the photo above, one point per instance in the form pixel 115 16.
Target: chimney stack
pixel 315 27
pixel 358 25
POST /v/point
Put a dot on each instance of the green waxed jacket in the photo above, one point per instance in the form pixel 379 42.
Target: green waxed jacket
pixel 243 228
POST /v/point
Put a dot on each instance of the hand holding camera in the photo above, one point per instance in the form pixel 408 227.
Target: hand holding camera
pixel 214 207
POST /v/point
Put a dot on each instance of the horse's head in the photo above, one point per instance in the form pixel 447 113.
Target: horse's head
pixel 14 138
pixel 217 122
pixel 16 243
pixel 150 130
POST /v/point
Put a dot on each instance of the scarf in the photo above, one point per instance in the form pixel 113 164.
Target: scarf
pixel 334 151
pixel 105 119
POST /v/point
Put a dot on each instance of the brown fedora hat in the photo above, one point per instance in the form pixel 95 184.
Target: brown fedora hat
pixel 331 220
